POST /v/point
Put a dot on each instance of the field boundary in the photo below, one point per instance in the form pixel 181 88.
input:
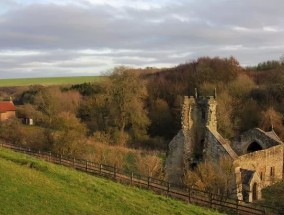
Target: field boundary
pixel 50 81
pixel 186 194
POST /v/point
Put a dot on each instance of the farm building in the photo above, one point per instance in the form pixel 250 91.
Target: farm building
pixel 7 110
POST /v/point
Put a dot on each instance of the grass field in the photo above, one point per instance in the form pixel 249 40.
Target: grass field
pixel 32 186
pixel 48 81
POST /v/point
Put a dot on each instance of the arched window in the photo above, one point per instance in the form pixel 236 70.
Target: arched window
pixel 254 146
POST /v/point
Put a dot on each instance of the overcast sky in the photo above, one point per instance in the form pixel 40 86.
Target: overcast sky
pixel 40 38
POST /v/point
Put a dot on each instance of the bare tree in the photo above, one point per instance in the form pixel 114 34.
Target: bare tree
pixel 127 94
pixel 213 177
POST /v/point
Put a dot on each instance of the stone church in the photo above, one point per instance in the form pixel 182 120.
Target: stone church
pixel 257 155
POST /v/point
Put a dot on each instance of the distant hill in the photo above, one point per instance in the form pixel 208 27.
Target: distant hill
pixel 32 186
pixel 49 81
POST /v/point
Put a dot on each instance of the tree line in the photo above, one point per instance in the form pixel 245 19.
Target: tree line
pixel 140 109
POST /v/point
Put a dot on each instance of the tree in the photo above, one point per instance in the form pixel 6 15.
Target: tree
pixel 11 131
pixel 94 111
pixel 247 115
pixel 127 94
pixel 272 119
pixel 150 165
pixel 69 134
pixel 63 132
pixel 51 101
pixel 214 177
pixel 241 87
pixel 224 114
pixel 162 120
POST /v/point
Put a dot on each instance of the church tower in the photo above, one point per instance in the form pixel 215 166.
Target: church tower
pixel 198 113
pixel 187 148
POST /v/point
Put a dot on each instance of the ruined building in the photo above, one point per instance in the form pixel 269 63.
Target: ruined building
pixel 257 155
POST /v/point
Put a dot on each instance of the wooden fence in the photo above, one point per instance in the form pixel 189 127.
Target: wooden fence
pixel 193 196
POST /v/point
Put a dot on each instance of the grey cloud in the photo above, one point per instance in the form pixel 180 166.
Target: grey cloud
pixel 165 35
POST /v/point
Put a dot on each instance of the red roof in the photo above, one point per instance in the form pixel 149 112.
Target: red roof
pixel 7 106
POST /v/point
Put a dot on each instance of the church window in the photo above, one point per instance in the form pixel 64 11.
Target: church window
pixel 272 171
pixel 261 175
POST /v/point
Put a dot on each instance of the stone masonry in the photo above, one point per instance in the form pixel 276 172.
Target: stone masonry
pixel 256 154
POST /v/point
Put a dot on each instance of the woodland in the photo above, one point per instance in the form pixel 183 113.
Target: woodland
pixel 129 118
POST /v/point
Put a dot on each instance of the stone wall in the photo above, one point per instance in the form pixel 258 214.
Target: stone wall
pixel 187 124
pixel 7 115
pixel 174 167
pixel 268 164
pixel 212 114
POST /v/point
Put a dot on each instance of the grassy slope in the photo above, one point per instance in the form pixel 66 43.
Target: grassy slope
pixel 48 81
pixel 274 196
pixel 32 186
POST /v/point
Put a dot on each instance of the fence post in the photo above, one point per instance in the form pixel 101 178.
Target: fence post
pixel 86 166
pixel 73 162
pixel 237 206
pixel 114 172
pixel 60 159
pixel 168 188
pixel 101 167
pixel 148 182
pixel 211 200
pixel 131 178
pixel 49 156
pixel 189 195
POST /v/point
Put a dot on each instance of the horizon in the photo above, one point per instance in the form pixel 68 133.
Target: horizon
pixel 48 38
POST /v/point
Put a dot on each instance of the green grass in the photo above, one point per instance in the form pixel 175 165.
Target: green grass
pixel 273 196
pixel 32 186
pixel 48 81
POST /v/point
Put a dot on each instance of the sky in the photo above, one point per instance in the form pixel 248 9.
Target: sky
pixel 44 38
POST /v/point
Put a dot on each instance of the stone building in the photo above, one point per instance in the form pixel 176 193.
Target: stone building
pixel 7 110
pixel 257 155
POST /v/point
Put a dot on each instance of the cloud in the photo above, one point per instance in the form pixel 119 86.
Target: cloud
pixel 39 38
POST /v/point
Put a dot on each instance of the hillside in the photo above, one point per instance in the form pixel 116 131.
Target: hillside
pixel 48 81
pixel 32 186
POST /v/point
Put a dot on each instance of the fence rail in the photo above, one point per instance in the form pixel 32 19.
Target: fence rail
pixel 186 194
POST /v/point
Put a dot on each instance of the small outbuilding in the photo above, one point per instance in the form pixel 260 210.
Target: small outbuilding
pixel 7 110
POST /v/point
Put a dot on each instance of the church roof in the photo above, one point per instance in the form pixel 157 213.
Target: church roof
pixel 7 106
pixel 271 134
pixel 226 145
